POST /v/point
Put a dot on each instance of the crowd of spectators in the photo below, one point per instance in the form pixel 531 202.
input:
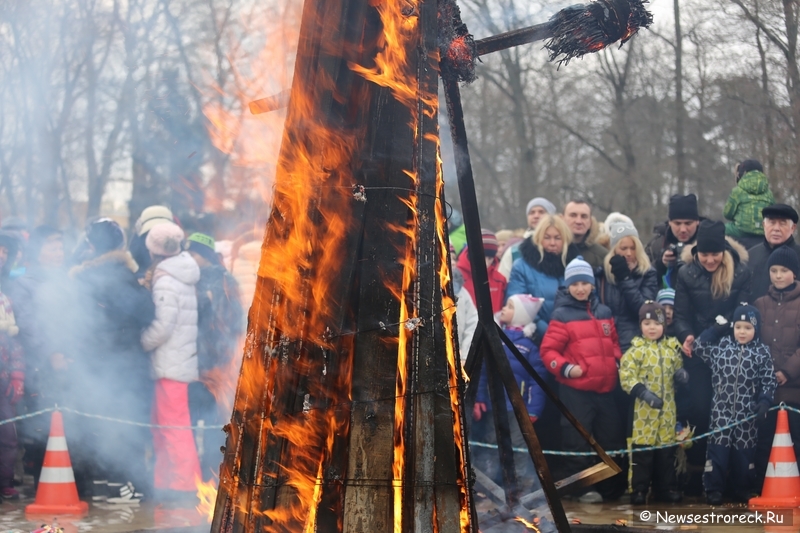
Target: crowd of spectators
pixel 647 341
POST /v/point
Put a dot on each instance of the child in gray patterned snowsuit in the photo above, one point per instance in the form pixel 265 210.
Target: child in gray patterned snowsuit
pixel 744 384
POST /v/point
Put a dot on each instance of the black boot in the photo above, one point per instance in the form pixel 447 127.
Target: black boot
pixel 670 496
pixel 638 498
pixel 714 498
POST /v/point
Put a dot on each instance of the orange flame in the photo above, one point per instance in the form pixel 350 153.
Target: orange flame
pixel 207 494
pixel 530 525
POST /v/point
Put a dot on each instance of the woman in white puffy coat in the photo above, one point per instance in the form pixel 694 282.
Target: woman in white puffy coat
pixel 172 341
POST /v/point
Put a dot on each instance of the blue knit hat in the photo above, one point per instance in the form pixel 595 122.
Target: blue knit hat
pixel 578 270
pixel 666 297
pixel 747 313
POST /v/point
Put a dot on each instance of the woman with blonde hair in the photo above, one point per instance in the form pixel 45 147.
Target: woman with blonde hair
pixel 626 280
pixel 540 269
pixel 712 282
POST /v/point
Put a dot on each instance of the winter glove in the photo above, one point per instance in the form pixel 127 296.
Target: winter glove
pixel 16 387
pixel 619 267
pixel 478 410
pixel 760 408
pixel 647 396
pixel 713 334
pixel 681 376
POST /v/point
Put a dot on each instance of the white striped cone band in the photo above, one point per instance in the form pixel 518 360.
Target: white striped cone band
pixel 782 440
pixel 57 474
pixel 57 444
pixel 782 470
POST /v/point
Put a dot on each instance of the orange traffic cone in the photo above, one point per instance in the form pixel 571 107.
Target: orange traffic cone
pixel 57 493
pixel 782 484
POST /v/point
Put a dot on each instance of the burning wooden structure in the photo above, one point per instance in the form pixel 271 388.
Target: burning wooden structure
pixel 348 413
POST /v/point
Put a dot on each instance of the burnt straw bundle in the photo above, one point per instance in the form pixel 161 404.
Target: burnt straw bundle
pixel 582 29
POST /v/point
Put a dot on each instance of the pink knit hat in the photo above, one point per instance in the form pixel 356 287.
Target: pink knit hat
pixel 165 239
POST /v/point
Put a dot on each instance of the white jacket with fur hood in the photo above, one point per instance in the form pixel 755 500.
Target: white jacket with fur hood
pixel 172 337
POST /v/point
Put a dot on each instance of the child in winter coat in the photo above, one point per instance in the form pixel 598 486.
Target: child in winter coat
pixel 517 318
pixel 780 312
pixel 646 372
pixel 581 349
pixel 666 299
pixel 172 339
pixel 743 208
pixel 12 379
pixel 744 384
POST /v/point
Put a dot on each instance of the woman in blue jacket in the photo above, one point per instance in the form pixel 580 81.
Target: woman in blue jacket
pixel 540 269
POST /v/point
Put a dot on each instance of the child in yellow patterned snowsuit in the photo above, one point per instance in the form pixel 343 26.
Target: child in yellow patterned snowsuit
pixel 647 371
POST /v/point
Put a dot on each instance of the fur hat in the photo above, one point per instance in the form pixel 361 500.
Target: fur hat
pixel 785 257
pixel 105 235
pixel 165 239
pixel 578 270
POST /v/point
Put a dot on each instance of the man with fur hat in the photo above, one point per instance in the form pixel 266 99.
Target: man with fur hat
pixel 672 237
pixel 780 223
pixel 585 231
pixel 744 384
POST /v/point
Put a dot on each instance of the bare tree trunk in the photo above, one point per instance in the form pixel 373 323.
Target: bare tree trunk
pixel 680 111
pixel 768 133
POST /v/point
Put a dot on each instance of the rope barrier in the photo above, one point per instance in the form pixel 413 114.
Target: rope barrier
pixel 644 448
pixel 99 417
pixel 471 443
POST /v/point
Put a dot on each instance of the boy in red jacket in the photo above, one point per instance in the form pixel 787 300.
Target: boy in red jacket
pixel 581 350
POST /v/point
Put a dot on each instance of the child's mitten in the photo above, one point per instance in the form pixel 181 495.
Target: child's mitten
pixel 647 396
pixel 681 376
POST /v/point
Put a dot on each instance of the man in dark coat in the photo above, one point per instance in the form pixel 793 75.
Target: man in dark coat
pixel 780 222
pixel 680 231
pixel 110 365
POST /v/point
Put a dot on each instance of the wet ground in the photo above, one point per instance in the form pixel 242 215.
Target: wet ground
pixel 107 518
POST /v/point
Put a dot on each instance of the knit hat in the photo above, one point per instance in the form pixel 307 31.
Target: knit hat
pixel 204 245
pixel 152 216
pixel 666 297
pixel 105 235
pixel 619 230
pixel 578 270
pixel 165 239
pixel 747 313
pixel 747 165
pixel 12 223
pixel 652 311
pixel 711 237
pixel 541 202
pixel 615 218
pixel 526 307
pixel 490 243
pixel 683 207
pixel 780 211
pixel 785 257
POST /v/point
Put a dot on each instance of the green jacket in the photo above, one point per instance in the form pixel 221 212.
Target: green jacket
pixel 653 364
pixel 745 203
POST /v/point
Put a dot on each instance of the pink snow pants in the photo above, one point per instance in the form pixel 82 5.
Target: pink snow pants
pixel 177 464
